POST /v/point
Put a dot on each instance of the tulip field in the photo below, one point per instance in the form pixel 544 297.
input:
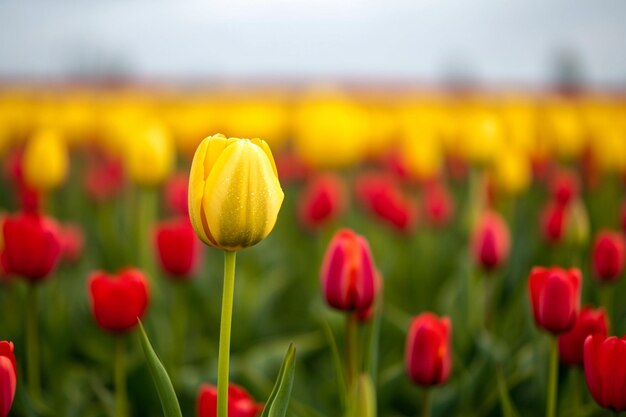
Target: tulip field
pixel 265 252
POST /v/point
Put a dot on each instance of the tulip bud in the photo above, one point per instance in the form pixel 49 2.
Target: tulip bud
pixel 576 224
pixel 366 314
pixel 564 186
pixel 149 156
pixel 553 221
pixel 438 204
pixel 45 161
pixel 8 377
pixel 176 198
pixel 555 297
pixel 321 201
pixel 32 246
pixel 428 356
pixel 491 241
pixel 234 192
pixel 589 322
pixel 348 272
pixel 118 301
pixel 608 256
pixel 240 403
pixel 605 371
pixel 177 247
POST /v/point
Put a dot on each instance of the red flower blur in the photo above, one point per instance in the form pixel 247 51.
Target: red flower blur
pixel 72 242
pixel 32 246
pixel 176 190
pixel 589 322
pixel 491 241
pixel 240 403
pixel 380 195
pixel 564 186
pixel 553 221
pixel 321 201
pixel 104 178
pixel 605 370
pixel 348 272
pixel 118 301
pixel 8 377
pixel 28 198
pixel 608 255
pixel 555 297
pixel 438 204
pixel 177 247
pixel 428 356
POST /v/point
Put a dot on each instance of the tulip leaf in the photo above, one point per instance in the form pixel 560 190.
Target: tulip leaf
pixel 277 403
pixel 365 397
pixel 162 381
pixel 508 410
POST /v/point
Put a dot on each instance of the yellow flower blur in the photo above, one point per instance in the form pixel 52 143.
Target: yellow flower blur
pixel 234 192
pixel 512 172
pixel 149 156
pixel 45 160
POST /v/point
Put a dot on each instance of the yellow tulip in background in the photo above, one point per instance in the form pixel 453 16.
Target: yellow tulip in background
pixel 512 171
pixel 45 160
pixel 234 192
pixel 149 156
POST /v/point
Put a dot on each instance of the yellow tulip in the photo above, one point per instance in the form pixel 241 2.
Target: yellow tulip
pixel 512 172
pixel 483 137
pixel 234 192
pixel 45 160
pixel 149 156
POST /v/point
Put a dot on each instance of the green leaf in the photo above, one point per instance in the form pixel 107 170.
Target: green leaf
pixel 365 397
pixel 162 381
pixel 277 403
pixel 341 378
pixel 508 410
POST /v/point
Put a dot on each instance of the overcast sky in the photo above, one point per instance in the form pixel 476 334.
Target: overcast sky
pixel 500 41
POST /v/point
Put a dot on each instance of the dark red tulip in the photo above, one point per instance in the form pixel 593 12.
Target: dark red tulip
pixel 178 247
pixel 32 245
pixel 321 201
pixel 72 242
pixel 438 204
pixel 381 196
pixel 608 255
pixel 428 356
pixel 555 297
pixel 104 178
pixel 8 377
pixel 553 221
pixel 564 186
pixel 176 194
pixel 491 241
pixel 605 370
pixel 118 301
pixel 589 322
pixel 240 403
pixel 366 314
pixel 348 272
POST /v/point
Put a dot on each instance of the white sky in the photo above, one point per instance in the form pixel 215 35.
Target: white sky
pixel 502 41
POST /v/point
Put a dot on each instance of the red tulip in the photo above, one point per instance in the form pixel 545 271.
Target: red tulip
pixel 366 314
pixel 555 297
pixel 589 322
pixel 176 194
pixel 240 403
pixel 322 201
pixel 32 245
pixel 178 247
pixel 608 255
pixel 348 272
pixel 491 241
pixel 438 204
pixel 72 242
pixel 605 370
pixel 104 178
pixel 553 221
pixel 381 196
pixel 28 198
pixel 564 186
pixel 291 168
pixel 427 357
pixel 118 301
pixel 8 377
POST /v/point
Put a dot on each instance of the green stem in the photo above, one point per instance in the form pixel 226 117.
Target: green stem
pixel 179 326
pixel 225 328
pixel 32 343
pixel 553 378
pixel 120 377
pixel 146 213
pixel 352 349
pixel 426 403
